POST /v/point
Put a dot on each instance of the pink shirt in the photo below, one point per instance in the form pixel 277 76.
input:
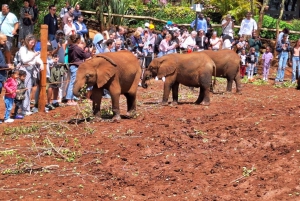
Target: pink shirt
pixel 164 46
pixel 11 86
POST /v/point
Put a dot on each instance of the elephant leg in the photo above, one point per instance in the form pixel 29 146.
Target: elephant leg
pixel 166 93
pixel 115 99
pixel 175 88
pixel 237 80
pixel 229 85
pixel 205 94
pixel 96 98
pixel 131 103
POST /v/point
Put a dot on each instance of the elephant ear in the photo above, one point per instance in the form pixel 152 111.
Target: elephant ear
pixel 166 67
pixel 105 70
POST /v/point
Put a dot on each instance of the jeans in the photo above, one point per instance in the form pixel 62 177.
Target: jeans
pixel 251 70
pixel 9 102
pixel 257 54
pixel 296 63
pixel 283 57
pixel 18 106
pixel 73 70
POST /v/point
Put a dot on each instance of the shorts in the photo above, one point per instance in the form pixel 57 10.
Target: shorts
pixel 9 43
pixel 55 86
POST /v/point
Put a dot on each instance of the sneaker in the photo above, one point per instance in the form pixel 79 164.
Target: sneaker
pixel 8 120
pixel 27 113
pixel 55 104
pixel 50 107
pixel 34 110
pixel 18 116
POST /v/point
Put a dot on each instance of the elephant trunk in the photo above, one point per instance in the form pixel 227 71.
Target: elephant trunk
pixel 77 88
pixel 144 84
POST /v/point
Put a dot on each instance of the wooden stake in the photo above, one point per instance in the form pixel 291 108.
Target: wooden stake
pixel 44 41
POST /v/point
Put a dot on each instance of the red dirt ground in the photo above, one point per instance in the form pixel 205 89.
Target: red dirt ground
pixel 183 152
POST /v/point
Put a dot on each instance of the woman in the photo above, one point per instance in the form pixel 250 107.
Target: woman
pixel 69 28
pixel 215 42
pixel 109 45
pixel 164 46
pixel 174 42
pixel 76 56
pixel 201 41
pixel 32 64
pixel 295 52
pixel 26 24
pixel 137 41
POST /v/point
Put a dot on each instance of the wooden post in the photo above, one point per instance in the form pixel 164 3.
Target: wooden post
pixel 44 41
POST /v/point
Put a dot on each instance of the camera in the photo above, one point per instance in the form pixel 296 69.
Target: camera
pixel 60 41
pixel 89 43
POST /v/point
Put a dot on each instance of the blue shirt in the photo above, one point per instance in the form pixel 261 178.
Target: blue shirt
pixel 8 23
pixel 2 65
pixel 202 24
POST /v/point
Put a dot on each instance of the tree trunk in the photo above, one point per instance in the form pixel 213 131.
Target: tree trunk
pixel 278 22
pixel 261 15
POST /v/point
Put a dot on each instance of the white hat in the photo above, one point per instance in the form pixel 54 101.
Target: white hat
pixel 147 24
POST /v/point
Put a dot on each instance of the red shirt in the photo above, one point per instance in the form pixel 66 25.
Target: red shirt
pixel 11 86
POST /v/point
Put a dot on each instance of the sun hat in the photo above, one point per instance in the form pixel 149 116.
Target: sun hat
pixel 151 26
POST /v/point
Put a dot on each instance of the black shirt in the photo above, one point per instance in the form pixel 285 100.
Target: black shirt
pixel 52 23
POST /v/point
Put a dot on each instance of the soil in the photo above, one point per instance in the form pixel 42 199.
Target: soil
pixel 241 147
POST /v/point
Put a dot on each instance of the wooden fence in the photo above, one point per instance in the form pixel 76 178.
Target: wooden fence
pixel 156 21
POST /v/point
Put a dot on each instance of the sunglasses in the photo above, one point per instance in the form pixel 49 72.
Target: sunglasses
pixel 54 9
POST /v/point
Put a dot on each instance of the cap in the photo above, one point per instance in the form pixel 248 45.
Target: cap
pixel 228 16
pixel 97 38
pixel 169 23
pixel 147 24
pixel 59 32
pixel 151 26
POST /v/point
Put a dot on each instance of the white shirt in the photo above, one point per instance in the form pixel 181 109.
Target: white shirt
pixel 247 27
pixel 68 29
pixel 227 44
pixel 217 41
pixel 189 42
pixel 227 28
pixel 28 57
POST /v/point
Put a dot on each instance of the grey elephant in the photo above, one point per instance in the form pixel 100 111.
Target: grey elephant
pixel 186 69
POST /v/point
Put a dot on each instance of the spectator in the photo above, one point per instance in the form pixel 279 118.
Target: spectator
pixel 159 38
pixel 209 28
pixel 112 35
pixel 228 41
pixel 215 42
pixel 62 13
pixel 201 41
pixel 81 28
pixel 20 96
pixel 283 48
pixel 68 15
pixel 35 11
pixel 151 37
pixel 11 86
pixel 98 43
pixel 31 63
pixel 136 41
pixel 227 25
pixel 3 75
pixel 201 23
pixel 251 63
pixel 248 26
pixel 69 28
pixel 26 21
pixel 169 25
pixel 118 46
pixel 120 35
pixel 76 56
pixel 267 58
pixel 190 42
pixel 241 45
pixel 164 46
pixel 77 12
pixel 256 43
pixel 109 45
pixel 280 35
pixel 9 26
pixel 243 66
pixel 295 57
pixel 51 20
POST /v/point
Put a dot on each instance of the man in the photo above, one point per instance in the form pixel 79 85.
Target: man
pixel 68 15
pixel 64 10
pixel 209 28
pixel 76 12
pixel 3 75
pixel 117 47
pixel 201 24
pixel 35 11
pixel 51 20
pixel 9 25
pixel 120 35
pixel 248 26
pixel 227 25
pixel 190 42
pixel 81 27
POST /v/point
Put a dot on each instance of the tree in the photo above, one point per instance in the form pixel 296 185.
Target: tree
pixel 261 15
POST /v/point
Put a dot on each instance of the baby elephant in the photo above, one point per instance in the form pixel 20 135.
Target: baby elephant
pixel 190 70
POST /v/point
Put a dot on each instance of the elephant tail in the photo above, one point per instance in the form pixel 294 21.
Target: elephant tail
pixel 215 75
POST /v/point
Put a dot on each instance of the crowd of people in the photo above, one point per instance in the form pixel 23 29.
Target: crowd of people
pixel 69 46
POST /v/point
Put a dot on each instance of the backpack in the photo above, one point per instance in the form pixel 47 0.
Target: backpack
pixel 27 21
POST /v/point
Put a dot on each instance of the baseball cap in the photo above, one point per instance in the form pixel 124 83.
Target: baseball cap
pixel 59 32
pixel 228 16
pixel 169 23
pixel 147 24
pixel 151 26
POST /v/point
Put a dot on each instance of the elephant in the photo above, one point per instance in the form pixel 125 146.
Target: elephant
pixel 118 72
pixel 228 66
pixel 184 69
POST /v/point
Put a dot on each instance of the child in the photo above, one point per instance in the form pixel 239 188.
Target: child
pixel 10 86
pixel 243 57
pixel 267 57
pixel 251 61
pixel 20 96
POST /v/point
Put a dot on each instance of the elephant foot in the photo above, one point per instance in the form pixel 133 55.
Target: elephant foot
pixel 116 118
pixel 164 103
pixel 131 114
pixel 205 103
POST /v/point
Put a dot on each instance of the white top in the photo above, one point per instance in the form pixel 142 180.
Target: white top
pixel 28 57
pixel 227 44
pixel 247 27
pixel 243 59
pixel 8 23
pixel 228 28
pixel 189 42
pixel 68 29
pixel 213 41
